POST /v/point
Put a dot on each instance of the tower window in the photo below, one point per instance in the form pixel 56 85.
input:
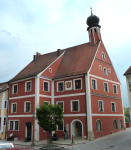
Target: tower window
pixel 95 30
pixel 91 30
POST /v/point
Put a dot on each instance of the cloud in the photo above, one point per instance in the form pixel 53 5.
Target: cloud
pixel 6 32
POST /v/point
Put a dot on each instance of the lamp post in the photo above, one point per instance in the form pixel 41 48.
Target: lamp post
pixel 33 144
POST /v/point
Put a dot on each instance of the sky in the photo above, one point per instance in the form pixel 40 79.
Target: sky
pixel 30 26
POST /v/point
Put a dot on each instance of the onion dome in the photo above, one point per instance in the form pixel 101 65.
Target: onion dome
pixel 92 21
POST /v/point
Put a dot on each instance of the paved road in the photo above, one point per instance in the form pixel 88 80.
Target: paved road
pixel 116 141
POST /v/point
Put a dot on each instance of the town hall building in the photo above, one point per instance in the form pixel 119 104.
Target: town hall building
pixel 80 78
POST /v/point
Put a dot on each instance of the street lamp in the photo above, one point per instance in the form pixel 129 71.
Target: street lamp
pixel 33 144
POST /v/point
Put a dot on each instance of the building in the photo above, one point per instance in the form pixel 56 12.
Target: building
pixel 81 78
pixel 3 109
pixel 127 74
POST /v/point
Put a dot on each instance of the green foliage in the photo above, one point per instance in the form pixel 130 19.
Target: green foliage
pixel 54 135
pixel 49 116
pixel 127 114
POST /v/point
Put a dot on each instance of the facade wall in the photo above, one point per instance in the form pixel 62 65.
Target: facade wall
pixel 107 125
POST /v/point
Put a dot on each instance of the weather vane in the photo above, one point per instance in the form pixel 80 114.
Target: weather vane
pixel 91 9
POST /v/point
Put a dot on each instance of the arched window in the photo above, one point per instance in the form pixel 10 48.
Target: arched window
pixel 98 125
pixel 105 72
pixel 91 30
pixel 120 124
pixel 114 124
pixel 103 55
pixel 95 30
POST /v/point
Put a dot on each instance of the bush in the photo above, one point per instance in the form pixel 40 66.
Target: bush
pixel 54 135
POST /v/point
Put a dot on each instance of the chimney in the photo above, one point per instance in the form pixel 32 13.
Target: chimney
pixel 36 56
pixel 58 52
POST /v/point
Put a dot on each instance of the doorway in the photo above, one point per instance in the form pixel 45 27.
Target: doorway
pixel 28 131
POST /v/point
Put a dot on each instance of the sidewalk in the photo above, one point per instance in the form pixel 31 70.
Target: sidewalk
pixel 59 142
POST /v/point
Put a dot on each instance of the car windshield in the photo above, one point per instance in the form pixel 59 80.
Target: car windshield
pixel 5 146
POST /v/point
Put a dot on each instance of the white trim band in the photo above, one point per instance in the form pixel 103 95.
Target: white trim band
pixel 72 115
pixel 18 97
pixel 107 114
pixel 68 95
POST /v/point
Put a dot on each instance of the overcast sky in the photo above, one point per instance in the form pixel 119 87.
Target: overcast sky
pixel 30 26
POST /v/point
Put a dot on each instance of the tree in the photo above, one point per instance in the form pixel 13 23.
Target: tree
pixel 49 116
pixel 127 114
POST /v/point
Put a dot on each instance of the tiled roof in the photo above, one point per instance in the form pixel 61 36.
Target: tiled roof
pixel 3 87
pixel 128 71
pixel 76 60
pixel 35 67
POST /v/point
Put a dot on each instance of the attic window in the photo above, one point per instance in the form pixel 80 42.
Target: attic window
pixel 95 30
pixel 103 55
pixel 50 70
pixel 100 68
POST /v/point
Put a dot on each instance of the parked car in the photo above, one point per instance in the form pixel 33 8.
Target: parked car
pixel 6 145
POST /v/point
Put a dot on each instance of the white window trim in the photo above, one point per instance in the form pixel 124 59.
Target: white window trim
pixel 104 55
pixel 106 71
pixel 115 106
pixel 109 71
pixel 12 107
pixel 100 67
pixel 13 125
pixel 58 88
pixel 66 89
pixel 48 86
pixel 13 89
pixel 6 105
pixel 107 87
pixel 63 126
pixel 74 83
pixel 101 125
pixel 26 86
pixel 50 70
pixel 78 106
pixel 25 106
pixel 102 105
pixel 95 83
pixel 116 89
pixel 117 124
pixel 60 102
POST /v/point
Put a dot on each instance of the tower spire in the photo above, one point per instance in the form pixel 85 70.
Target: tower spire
pixel 91 10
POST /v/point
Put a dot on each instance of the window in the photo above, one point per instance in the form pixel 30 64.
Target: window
pixel 98 126
pixel 50 70
pixel 103 55
pixel 105 72
pixel 46 102
pixel 27 86
pixel 15 89
pixel 106 87
pixel 4 121
pixel 120 124
pixel 100 68
pixel 114 124
pixel 113 106
pixel 91 30
pixel 75 105
pixel 61 103
pixel 95 30
pixel 60 86
pixel 14 125
pixel 100 103
pixel 130 86
pixel 94 85
pixel 5 106
pixel 0 104
pixel 27 107
pixel 77 83
pixel 115 89
pixel 109 71
pixel 13 107
pixel 46 86
pixel 61 127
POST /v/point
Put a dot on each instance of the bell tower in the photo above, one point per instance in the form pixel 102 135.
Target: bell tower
pixel 93 28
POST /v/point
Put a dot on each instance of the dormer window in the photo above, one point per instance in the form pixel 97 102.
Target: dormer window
pixel 95 30
pixel 103 55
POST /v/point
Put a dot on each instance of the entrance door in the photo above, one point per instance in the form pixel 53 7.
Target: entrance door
pixel 29 130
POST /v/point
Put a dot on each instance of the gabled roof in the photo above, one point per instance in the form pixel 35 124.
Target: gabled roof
pixel 128 71
pixel 3 87
pixel 76 60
